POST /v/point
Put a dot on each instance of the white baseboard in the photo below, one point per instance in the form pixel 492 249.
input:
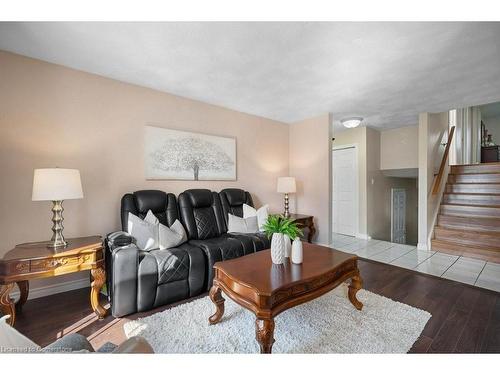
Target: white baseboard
pixel 422 246
pixel 363 236
pixel 48 290
pixel 321 244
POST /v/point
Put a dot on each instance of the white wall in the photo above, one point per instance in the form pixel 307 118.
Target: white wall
pixel 432 128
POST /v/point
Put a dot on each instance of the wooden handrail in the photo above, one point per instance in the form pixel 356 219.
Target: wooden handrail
pixel 439 177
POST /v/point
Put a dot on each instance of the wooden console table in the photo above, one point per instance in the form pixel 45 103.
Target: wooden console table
pixel 305 221
pixel 35 260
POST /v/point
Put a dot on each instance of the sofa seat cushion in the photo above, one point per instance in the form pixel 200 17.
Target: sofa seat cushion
pixel 259 240
pixel 222 248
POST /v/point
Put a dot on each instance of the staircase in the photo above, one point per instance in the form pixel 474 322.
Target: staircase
pixel 469 217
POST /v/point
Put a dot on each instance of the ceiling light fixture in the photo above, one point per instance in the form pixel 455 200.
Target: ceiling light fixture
pixel 351 122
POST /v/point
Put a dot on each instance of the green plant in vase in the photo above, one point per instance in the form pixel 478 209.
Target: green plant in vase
pixel 281 230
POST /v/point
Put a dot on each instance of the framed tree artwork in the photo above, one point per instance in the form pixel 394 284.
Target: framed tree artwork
pixel 179 155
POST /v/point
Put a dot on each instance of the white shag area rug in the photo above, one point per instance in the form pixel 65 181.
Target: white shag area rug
pixel 329 324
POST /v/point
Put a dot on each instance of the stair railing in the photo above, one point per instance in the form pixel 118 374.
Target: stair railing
pixel 439 177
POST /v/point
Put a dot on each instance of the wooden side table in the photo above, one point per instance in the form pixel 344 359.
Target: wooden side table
pixel 305 221
pixel 35 260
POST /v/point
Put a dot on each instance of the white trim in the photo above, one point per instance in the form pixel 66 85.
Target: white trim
pixel 421 246
pixel 363 236
pixel 48 290
pixel 322 244
pixel 356 185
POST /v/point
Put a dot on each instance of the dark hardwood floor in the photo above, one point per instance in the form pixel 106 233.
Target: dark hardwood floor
pixel 465 319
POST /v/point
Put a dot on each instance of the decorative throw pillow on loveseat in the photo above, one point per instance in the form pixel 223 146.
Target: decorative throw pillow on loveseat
pixel 144 231
pixel 150 234
pixel 236 224
pixel 173 236
pixel 261 214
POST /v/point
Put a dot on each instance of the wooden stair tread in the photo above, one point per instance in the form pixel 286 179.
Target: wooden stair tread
pixel 491 255
pixel 464 222
pixel 471 205
pixel 474 247
pixel 478 194
pixel 473 183
pixel 469 237
pixel 468 221
pixel 470 231
pixel 476 165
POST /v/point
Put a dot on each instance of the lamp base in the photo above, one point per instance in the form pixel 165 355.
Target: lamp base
pixel 286 214
pixel 57 244
pixel 57 239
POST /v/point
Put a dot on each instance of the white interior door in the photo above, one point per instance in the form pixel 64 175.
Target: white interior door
pixel 345 191
pixel 398 215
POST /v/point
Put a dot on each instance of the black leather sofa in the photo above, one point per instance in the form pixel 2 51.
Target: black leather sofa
pixel 139 280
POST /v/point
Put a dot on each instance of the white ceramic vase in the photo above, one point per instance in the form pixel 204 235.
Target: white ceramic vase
pixel 278 248
pixel 297 252
pixel 288 246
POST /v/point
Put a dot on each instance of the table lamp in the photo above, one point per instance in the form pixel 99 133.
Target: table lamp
pixel 56 185
pixel 286 185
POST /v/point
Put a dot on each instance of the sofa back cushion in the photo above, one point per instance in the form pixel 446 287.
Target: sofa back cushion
pixel 200 214
pixel 232 201
pixel 163 205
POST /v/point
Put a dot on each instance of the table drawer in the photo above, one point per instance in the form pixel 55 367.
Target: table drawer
pixel 61 263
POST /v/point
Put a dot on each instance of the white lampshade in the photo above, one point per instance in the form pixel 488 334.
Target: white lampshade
pixel 56 184
pixel 286 185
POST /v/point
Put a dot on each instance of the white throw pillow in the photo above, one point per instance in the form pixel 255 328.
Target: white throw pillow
pixel 262 214
pixel 144 231
pixel 236 224
pixel 151 218
pixel 173 236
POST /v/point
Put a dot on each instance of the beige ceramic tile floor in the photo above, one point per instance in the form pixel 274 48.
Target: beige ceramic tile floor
pixel 466 270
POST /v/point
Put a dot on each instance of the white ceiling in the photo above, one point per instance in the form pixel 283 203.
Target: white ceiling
pixel 384 72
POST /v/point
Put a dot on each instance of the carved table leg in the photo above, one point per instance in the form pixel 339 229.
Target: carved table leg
pixel 218 300
pixel 264 333
pixel 356 284
pixel 6 304
pixel 312 230
pixel 98 279
pixel 24 289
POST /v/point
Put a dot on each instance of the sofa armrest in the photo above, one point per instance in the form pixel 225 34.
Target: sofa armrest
pixel 122 264
pixel 118 239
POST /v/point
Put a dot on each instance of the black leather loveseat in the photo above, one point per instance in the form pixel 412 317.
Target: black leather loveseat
pixel 140 280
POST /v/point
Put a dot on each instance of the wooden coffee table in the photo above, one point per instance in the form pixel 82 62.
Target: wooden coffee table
pixel 257 284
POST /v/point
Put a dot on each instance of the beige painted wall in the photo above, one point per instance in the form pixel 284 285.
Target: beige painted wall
pixel 379 194
pixel 399 148
pixel 55 116
pixel 432 128
pixel 357 136
pixel 310 165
